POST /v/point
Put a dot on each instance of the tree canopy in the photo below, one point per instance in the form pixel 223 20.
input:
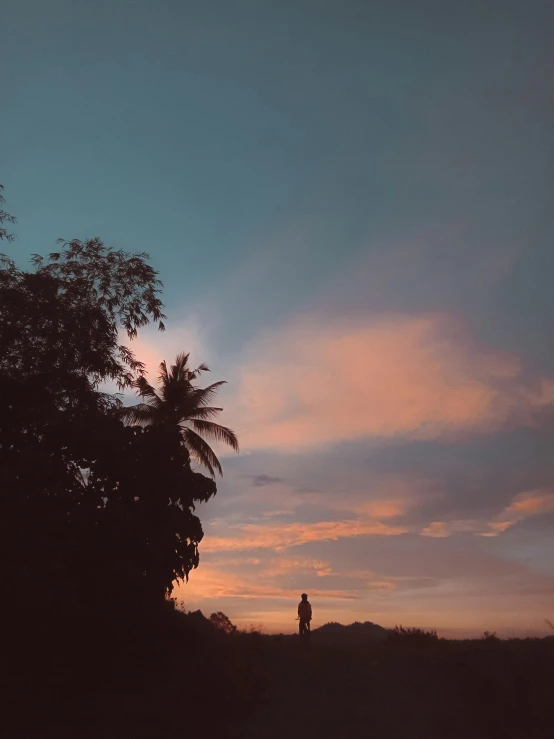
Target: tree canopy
pixel 98 515
pixel 105 505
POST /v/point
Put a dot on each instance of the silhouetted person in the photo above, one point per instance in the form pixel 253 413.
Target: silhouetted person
pixel 305 615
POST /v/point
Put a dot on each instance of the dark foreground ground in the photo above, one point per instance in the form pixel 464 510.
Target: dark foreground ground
pixel 442 690
pixel 180 677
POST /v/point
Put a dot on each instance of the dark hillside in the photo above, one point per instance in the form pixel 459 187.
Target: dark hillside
pixel 354 631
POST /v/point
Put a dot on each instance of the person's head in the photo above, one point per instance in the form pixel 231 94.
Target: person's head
pixel 304 596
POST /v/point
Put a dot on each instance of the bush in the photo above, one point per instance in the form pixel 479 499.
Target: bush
pixel 411 634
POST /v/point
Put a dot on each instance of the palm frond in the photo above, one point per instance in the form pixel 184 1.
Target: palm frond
pixel 201 451
pixel 193 374
pixel 180 370
pixel 216 432
pixel 204 395
pixel 141 414
pixel 178 401
pixel 145 390
pixel 163 376
pixel 204 413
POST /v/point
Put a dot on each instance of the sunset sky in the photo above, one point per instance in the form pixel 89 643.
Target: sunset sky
pixel 350 206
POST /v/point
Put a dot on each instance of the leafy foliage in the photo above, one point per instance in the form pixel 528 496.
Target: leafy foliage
pixel 97 517
pixel 5 218
pixel 65 457
pixel 60 323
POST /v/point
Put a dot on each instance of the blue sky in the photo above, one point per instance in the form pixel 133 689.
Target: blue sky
pixel 350 208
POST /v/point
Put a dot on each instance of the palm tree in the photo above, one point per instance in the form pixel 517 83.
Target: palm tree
pixel 181 403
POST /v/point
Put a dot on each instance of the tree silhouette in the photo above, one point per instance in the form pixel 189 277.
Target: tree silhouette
pixel 221 621
pixel 83 498
pixel 5 218
pixel 60 323
pixel 182 405
pixel 97 517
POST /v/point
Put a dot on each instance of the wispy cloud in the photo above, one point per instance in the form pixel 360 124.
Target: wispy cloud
pixel 212 583
pixel 255 536
pixel 286 565
pixel 532 503
pixel 443 529
pixel 524 505
pixel 415 377
pixel 262 481
pixel 383 508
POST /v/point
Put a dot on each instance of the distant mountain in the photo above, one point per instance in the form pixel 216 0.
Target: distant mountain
pixel 356 630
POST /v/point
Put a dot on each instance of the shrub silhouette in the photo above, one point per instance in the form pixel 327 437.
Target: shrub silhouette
pixel 410 634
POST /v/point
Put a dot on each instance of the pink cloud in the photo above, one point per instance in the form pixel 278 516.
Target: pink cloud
pixel 211 583
pixel 442 529
pixel 532 502
pixel 524 505
pixel 255 536
pixel 418 377
pixel 233 561
pixel 287 565
pixel 496 528
pixel 388 508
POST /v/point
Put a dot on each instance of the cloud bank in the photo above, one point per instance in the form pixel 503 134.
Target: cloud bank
pixel 416 377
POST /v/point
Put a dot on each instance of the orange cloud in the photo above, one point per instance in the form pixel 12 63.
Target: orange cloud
pixel 371 581
pixel 442 529
pixel 212 583
pixel 387 508
pixel 526 504
pixel 233 561
pixel 286 565
pixel 497 527
pixel 532 503
pixel 419 377
pixel 277 513
pixel 254 536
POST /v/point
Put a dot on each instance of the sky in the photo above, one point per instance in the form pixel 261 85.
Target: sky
pixel 350 206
